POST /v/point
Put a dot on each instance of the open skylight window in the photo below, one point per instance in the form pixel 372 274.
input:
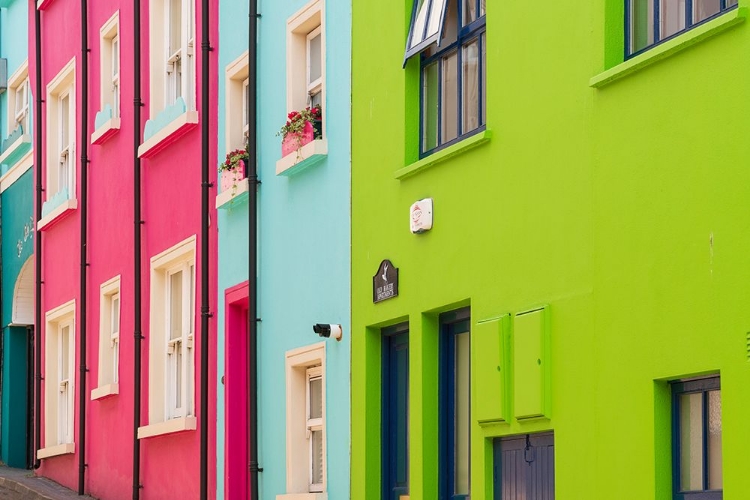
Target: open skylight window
pixel 426 26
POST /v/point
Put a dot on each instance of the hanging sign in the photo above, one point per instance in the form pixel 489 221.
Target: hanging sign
pixel 385 282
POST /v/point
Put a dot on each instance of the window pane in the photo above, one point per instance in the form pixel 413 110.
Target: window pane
pixel 731 3
pixel 715 481
pixel 178 374
pixel 691 442
pixel 65 352
pixel 316 450
pixel 703 9
pixel 641 24
pixel 429 106
pixel 449 98
pixel 470 91
pixel 64 121
pixel 672 14
pixel 175 20
pixel 115 327
pixel 482 10
pixel 484 77
pixel 461 445
pixel 417 34
pixel 450 28
pixel 175 305
pixel 436 15
pixel 115 56
pixel 315 58
pixel 316 397
pixel 469 11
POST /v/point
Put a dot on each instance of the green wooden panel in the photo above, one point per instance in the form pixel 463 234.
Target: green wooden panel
pixel 490 370
pixel 531 364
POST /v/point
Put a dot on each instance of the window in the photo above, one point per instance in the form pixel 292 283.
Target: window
pixel 305 73
pixel 109 339
pixel 19 96
pixel 455 413
pixel 110 65
pixel 305 420
pixel 171 387
pixel 648 22
pixel 61 124
pixel 696 439
pixel 59 392
pixel 237 82
pixel 172 54
pixel 450 37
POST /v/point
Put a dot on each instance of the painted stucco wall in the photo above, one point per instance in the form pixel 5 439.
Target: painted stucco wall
pixel 303 240
pixel 171 212
pixel 13 36
pixel 620 208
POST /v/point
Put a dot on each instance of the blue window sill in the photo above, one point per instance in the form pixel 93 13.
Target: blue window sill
pixel 14 147
pixel 166 127
pixel 671 46
pixel 55 209
pixel 440 156
pixel 105 124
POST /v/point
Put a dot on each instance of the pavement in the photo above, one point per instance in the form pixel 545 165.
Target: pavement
pixel 22 484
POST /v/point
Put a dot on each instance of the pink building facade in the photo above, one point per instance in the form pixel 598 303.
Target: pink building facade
pixel 89 243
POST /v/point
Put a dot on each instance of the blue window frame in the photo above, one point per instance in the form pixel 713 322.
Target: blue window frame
pixel 649 22
pixel 395 412
pixel 450 38
pixel 696 439
pixel 455 414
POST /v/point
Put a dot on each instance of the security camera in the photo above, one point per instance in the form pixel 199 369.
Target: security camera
pixel 326 330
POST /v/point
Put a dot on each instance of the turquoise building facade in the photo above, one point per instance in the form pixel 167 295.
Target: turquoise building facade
pixel 303 214
pixel 17 238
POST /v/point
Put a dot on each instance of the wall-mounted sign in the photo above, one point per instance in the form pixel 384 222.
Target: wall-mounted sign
pixel 385 282
pixel 420 216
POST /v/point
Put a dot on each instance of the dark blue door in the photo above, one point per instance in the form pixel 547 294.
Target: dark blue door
pixel 524 467
pixel 395 437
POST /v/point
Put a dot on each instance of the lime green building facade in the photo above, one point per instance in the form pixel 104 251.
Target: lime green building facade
pixel 595 228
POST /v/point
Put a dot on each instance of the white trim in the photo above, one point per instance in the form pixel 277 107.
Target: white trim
pixel 104 391
pixel 229 195
pixel 60 311
pixel 59 386
pixel 16 171
pixel 154 142
pixel 12 148
pixel 236 73
pixel 311 150
pixel 61 86
pixel 50 217
pixel 109 340
pixel 167 427
pixel 17 79
pixel 109 126
pixel 53 451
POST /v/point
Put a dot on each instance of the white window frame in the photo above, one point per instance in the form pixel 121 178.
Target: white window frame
pixel 314 87
pixel 167 82
pixel 19 91
pixel 301 27
pixel 59 387
pixel 63 85
pixel 109 40
pixel 302 364
pixel 110 319
pixel 236 83
pixel 178 384
pixel 164 418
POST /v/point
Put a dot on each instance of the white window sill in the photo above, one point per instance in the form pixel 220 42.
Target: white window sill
pixel 107 130
pixel 43 4
pixel 53 451
pixel 56 215
pixel 168 134
pixel 104 391
pixel 303 496
pixel 306 156
pixel 168 427
pixel 233 197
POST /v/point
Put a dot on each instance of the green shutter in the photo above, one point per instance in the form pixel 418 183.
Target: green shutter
pixel 531 363
pixel 490 362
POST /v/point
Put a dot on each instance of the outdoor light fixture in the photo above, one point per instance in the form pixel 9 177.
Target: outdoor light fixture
pixel 327 330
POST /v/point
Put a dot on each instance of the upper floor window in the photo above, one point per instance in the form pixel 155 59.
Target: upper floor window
pixel 61 125
pixel 21 111
pixel 110 65
pixel 696 442
pixel 305 74
pixel 19 99
pixel 109 338
pixel 236 120
pixel 450 37
pixel 181 306
pixel 648 22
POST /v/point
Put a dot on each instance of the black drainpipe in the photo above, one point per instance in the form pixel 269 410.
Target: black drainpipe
pixel 38 235
pixel 252 175
pixel 205 187
pixel 84 243
pixel 137 222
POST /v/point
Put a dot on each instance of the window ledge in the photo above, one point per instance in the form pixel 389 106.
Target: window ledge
pixel 105 391
pixel 303 496
pixel 43 4
pixel 168 134
pixel 670 47
pixel 53 451
pixel 167 427
pixel 306 156
pixel 233 197
pixel 444 154
pixel 107 130
pixel 57 214
pixel 16 150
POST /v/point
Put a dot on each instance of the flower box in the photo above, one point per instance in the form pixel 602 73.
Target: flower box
pixel 293 142
pixel 230 178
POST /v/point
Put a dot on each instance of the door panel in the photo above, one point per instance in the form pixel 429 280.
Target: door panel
pixel 524 467
pixel 395 414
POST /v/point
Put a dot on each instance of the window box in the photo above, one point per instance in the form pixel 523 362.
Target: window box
pixel 230 178
pixel 292 142
pixel 14 147
pixel 168 126
pixel 106 125
pixel 308 155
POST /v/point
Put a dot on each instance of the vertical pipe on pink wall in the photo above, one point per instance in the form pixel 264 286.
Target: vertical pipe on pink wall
pixel 84 244
pixel 38 234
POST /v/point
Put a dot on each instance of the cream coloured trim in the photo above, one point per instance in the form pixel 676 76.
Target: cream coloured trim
pixel 68 205
pixel 175 254
pixel 110 286
pixel 236 73
pixel 16 171
pixel 59 312
pixel 53 451
pixel 104 391
pixel 164 134
pixel 110 28
pixel 63 77
pixel 109 125
pixel 167 427
pixel 19 75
